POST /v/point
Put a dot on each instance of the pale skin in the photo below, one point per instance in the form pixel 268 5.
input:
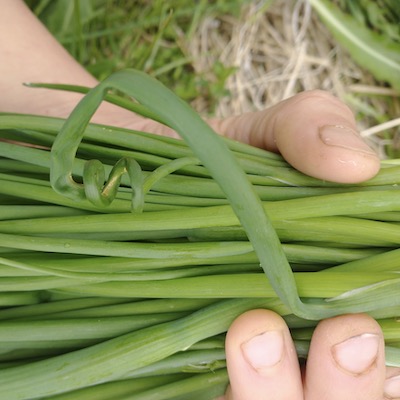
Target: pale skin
pixel 317 134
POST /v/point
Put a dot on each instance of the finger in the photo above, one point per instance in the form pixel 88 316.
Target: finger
pixel 261 359
pixel 392 384
pixel 346 360
pixel 314 131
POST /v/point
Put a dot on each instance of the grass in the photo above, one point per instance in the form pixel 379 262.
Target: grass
pixel 369 32
pixel 381 16
pixel 152 36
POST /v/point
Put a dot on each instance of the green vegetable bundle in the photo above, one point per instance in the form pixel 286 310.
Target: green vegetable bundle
pixel 125 256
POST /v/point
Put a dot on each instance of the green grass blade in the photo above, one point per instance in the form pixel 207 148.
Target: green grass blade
pixel 368 48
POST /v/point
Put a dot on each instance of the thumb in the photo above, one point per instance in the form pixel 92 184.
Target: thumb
pixel 261 358
pixel 314 131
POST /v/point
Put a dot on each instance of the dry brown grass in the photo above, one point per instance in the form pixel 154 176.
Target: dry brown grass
pixel 282 49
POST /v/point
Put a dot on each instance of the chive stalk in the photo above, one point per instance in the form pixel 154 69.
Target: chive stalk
pixel 110 295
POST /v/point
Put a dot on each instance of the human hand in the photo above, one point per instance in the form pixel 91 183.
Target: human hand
pixel 346 361
pixel 346 357
pixel 314 131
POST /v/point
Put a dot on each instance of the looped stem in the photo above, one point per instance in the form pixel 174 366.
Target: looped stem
pixel 102 194
pixel 213 153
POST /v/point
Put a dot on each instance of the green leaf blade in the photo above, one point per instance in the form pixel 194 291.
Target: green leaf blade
pixel 369 49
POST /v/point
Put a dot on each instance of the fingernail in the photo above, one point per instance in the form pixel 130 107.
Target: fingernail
pixel 344 137
pixel 264 351
pixel 357 354
pixel 392 387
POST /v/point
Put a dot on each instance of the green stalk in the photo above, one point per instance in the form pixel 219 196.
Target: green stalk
pixel 94 277
pixel 13 212
pixel 14 299
pixel 56 307
pixel 186 250
pixel 113 359
pixel 47 195
pixel 78 328
pixel 207 217
pixel 392 356
pixel 300 254
pixel 118 390
pixel 122 308
pixel 386 261
pixel 242 286
pixel 188 361
pixel 201 387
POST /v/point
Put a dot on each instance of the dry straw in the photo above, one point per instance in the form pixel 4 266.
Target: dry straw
pixel 280 48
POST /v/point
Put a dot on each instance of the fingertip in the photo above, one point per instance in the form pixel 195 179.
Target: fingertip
pixel 346 358
pixel 260 355
pixel 255 340
pixel 317 135
pixel 343 156
pixel 332 153
pixel 347 325
pixel 253 322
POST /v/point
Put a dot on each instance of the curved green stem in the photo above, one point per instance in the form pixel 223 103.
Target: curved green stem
pixel 209 148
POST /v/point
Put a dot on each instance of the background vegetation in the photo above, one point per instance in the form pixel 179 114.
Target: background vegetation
pixel 153 36
pixel 233 56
